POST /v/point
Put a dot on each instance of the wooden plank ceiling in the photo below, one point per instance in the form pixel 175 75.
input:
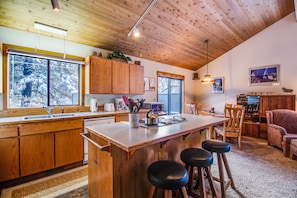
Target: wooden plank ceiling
pixel 173 32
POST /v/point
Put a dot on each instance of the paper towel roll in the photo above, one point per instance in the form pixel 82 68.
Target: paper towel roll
pixel 93 105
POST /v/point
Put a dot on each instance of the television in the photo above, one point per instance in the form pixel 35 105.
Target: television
pixel 253 103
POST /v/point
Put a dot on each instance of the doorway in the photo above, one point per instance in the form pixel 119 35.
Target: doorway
pixel 170 92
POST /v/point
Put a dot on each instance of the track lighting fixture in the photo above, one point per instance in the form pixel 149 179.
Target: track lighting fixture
pixel 134 28
pixel 55 5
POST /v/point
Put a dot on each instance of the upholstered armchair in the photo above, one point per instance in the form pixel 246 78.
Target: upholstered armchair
pixel 281 128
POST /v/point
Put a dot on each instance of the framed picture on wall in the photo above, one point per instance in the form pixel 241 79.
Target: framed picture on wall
pixel 149 84
pixel 146 83
pixel 218 85
pixel 264 75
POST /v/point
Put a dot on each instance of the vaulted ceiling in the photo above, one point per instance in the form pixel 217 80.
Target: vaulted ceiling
pixel 173 32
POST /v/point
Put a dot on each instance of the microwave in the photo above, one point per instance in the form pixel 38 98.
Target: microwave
pixel 158 107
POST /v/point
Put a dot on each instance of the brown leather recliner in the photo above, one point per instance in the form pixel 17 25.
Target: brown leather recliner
pixel 281 128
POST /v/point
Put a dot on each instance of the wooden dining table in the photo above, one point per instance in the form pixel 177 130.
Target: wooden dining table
pixel 119 155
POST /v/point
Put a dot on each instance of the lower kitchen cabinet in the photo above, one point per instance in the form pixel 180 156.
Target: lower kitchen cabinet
pixel 9 153
pixel 46 145
pixel 68 147
pixel 36 153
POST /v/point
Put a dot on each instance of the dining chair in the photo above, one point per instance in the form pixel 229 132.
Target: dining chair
pixel 198 107
pixel 192 109
pixel 233 127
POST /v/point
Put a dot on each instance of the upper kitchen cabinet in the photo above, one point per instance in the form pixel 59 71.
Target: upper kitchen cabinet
pixel 99 72
pixel 136 79
pixel 105 76
pixel 120 77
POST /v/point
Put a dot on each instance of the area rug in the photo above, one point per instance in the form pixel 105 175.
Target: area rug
pixel 71 183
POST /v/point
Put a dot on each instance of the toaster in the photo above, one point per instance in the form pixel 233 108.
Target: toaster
pixel 108 107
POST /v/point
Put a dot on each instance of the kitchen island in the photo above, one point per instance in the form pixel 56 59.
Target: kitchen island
pixel 119 155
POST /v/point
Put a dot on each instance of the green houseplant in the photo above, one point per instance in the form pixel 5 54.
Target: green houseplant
pixel 118 54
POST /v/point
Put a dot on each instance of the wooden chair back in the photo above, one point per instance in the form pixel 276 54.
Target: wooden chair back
pixel 192 109
pixel 234 125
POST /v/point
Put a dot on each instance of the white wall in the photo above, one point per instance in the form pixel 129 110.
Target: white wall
pixel 36 41
pixel 276 44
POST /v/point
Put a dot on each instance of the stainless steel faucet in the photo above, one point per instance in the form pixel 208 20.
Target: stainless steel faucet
pixel 49 110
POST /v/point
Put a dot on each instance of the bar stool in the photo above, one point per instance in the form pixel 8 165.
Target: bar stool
pixel 202 159
pixel 220 148
pixel 167 175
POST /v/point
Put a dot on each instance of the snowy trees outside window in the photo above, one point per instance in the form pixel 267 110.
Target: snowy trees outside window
pixel 38 82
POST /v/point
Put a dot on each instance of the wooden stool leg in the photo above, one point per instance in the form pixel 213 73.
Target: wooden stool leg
pixel 221 176
pixel 185 194
pixel 190 183
pixel 168 193
pixel 201 182
pixel 211 182
pixel 152 191
pixel 228 170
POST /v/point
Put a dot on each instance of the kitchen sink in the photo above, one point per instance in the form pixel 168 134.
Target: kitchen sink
pixel 62 115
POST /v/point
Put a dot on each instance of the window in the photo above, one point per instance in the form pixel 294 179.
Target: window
pixel 42 81
pixel 170 92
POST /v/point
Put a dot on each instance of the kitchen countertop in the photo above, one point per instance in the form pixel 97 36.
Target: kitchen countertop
pixel 126 138
pixel 21 119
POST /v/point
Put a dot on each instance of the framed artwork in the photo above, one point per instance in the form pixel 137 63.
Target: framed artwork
pixel 265 75
pixel 218 85
pixel 149 84
pixel 120 104
pixel 152 84
pixel 146 84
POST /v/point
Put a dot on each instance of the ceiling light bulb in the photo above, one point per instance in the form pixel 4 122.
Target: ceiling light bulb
pixel 136 32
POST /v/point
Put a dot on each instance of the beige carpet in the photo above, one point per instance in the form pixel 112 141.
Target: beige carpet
pixel 258 170
pixel 53 186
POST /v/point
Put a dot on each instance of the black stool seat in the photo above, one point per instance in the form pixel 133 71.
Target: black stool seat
pixel 216 146
pixel 167 174
pixel 196 157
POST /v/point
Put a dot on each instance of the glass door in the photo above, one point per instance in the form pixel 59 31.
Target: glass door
pixel 170 93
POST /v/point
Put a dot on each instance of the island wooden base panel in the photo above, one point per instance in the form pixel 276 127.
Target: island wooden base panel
pixel 115 174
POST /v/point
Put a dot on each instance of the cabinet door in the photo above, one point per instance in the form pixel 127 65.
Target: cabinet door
pixel 36 153
pixel 120 77
pixel 276 102
pixel 136 79
pixel 251 129
pixel 100 75
pixel 9 160
pixel 68 147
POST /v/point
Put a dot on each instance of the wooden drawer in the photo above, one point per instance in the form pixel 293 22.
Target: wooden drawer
pixel 50 126
pixel 8 131
pixel 121 117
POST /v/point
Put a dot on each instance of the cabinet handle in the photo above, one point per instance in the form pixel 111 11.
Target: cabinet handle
pixel 101 147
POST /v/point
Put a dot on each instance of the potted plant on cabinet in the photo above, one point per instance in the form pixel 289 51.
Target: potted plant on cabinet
pixel 118 54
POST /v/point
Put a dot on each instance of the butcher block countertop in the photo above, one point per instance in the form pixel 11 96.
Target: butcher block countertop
pixel 129 139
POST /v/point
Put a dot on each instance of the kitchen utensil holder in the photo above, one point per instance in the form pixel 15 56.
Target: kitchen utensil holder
pixel 134 120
